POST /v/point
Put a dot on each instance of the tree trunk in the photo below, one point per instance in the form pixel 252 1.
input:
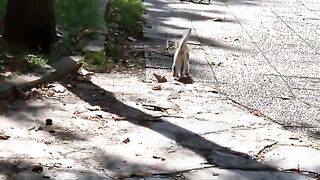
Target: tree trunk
pixel 30 23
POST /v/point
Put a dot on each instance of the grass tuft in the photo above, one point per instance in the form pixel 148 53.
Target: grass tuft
pixel 126 14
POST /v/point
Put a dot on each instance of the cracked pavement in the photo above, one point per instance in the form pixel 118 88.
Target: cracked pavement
pixel 103 131
pixel 116 127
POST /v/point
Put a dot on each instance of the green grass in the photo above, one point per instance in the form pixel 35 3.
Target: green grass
pixel 76 16
pixel 2 8
pixel 24 63
pixel 98 62
pixel 126 14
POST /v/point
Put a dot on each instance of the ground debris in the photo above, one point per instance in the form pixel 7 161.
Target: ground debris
pixel 37 169
pixel 256 112
pixel 154 107
pixel 4 137
pixel 57 88
pixel 160 78
pixel 94 108
pixel 119 118
pixel 157 87
pixel 157 157
pixel 49 122
pixel 132 39
pixel 126 141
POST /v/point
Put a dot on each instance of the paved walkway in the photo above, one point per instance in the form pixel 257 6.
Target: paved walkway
pixel 101 130
pixel 116 127
pixel 263 54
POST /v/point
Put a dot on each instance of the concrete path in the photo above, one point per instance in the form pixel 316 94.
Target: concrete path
pixel 115 126
pixel 264 54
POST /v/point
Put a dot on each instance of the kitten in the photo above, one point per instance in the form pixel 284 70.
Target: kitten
pixel 180 67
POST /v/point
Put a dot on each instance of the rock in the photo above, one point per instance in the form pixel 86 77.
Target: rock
pixel 58 88
pixel 174 95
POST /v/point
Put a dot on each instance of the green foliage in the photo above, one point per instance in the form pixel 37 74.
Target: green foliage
pixel 3 4
pixel 126 14
pixel 114 49
pixel 76 16
pixel 98 62
pixel 36 60
pixel 23 63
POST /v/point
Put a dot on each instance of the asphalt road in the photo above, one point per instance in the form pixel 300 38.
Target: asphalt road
pixel 263 54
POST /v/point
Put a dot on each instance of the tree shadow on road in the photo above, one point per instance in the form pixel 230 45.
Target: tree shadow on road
pixel 25 114
pixel 163 17
pixel 214 154
pixel 110 167
pixel 237 2
pixel 22 169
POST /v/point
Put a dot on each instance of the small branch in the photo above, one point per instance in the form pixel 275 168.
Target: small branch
pixel 265 148
pixel 184 171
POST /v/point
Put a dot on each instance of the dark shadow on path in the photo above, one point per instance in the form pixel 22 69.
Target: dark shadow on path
pixel 215 154
pixel 24 113
pixel 114 167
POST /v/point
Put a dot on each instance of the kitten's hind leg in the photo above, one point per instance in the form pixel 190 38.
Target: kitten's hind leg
pixel 187 64
pixel 174 71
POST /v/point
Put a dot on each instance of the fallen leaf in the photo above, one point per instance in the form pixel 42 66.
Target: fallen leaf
pixel 86 32
pixel 160 78
pixel 4 137
pixel 126 141
pixel 156 87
